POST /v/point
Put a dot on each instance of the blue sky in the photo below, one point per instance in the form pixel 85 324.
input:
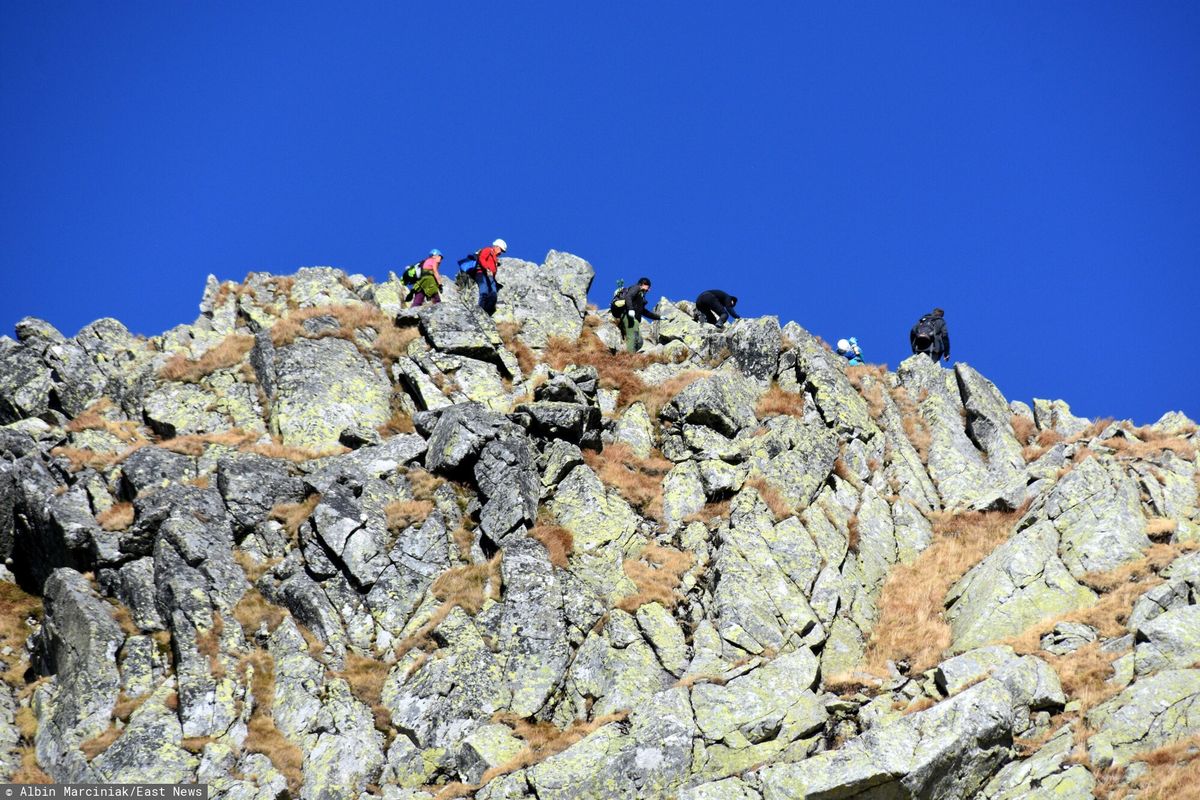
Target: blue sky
pixel 1031 167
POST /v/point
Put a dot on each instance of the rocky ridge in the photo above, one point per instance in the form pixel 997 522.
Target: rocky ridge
pixel 320 545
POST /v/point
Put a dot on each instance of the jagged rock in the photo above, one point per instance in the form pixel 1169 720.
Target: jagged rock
pixel 663 732
pixel 682 494
pixel 1021 582
pixel 989 424
pixel 594 515
pixel 125 361
pixel 1154 711
pixel 532 628
pixel 356 539
pixel 1169 641
pixel 774 702
pixel 488 746
pixel 1067 637
pixel 458 433
pixel 579 424
pixel 546 301
pixel 1056 415
pixel 557 460
pixel 508 480
pixel 365 464
pixel 462 330
pixel 251 485
pixel 25 384
pixel 1045 774
pixel 755 344
pixel 426 394
pixel 1097 512
pixel 133 585
pixel 947 751
pixel 148 750
pixel 635 428
pixel 724 402
pixel 177 409
pixel 822 372
pixel 417 558
pixel 757 604
pixel 447 697
pixel 1030 680
pixel 81 640
pixel 153 468
pixel 598 766
pixel 727 789
pixel 615 667
pixel 794 458
pixel 665 636
pixel 78 382
pixel 314 287
pixel 324 386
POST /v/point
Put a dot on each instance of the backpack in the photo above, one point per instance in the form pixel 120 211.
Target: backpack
pixel 925 333
pixel 472 270
pixel 411 274
pixel 618 306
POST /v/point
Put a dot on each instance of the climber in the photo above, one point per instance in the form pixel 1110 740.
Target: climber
pixel 484 272
pixel 715 307
pixel 930 336
pixel 429 285
pixel 629 308
pixel 849 349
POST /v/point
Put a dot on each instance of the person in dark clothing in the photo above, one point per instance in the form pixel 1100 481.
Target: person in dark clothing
pixel 635 308
pixel 930 336
pixel 715 307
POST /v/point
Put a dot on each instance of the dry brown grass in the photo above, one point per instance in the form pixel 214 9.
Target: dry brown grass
pixel 558 543
pixel 656 572
pixel 915 427
pixel 1041 444
pixel 366 676
pixel 638 480
pixel 1160 528
pixel 1134 448
pixel 82 458
pixel 911 625
pixel 195 444
pixel 402 513
pixel 1174 771
pixel 780 508
pixel 509 333
pixel 618 371
pixel 262 735
pixel 16 606
pixel 718 508
pixel 1119 589
pixel 399 422
pixel 1024 428
pixel 296 455
pixel 1084 675
pixel 228 353
pixel 293 515
pixel 542 740
pixel 390 342
pixel 852 535
pixel 254 611
pixel 468 587
pixel 93 419
pixel 775 401
pixel 29 771
pixel 117 517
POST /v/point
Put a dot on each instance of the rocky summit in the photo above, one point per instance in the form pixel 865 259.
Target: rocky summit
pixel 316 544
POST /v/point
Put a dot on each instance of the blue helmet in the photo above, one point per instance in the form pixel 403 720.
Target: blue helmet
pixel 435 252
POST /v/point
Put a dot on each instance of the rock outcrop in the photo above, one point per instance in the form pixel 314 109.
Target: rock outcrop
pixel 322 545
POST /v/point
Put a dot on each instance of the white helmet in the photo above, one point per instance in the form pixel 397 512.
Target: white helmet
pixel 843 345
pixel 500 243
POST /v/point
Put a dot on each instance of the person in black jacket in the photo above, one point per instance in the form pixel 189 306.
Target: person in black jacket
pixel 930 336
pixel 635 308
pixel 715 307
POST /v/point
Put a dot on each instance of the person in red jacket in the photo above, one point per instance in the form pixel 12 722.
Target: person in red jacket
pixel 487 261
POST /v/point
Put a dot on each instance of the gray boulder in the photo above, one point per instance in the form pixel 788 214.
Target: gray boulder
pixel 508 481
pixel 1169 641
pixel 948 751
pixel 755 344
pixel 547 301
pixel 25 384
pixel 1098 514
pixel 1155 711
pixel 532 628
pixel 251 485
pixel 724 402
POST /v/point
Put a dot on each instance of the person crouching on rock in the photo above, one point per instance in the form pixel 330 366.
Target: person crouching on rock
pixel 429 285
pixel 715 307
pixel 635 308
pixel 487 261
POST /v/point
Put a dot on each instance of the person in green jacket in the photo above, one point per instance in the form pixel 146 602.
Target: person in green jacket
pixel 429 285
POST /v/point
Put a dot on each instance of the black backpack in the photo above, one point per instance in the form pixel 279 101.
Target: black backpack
pixel 411 274
pixel 925 333
pixel 619 304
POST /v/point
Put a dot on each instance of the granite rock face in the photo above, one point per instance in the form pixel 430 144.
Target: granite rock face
pixel 319 544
